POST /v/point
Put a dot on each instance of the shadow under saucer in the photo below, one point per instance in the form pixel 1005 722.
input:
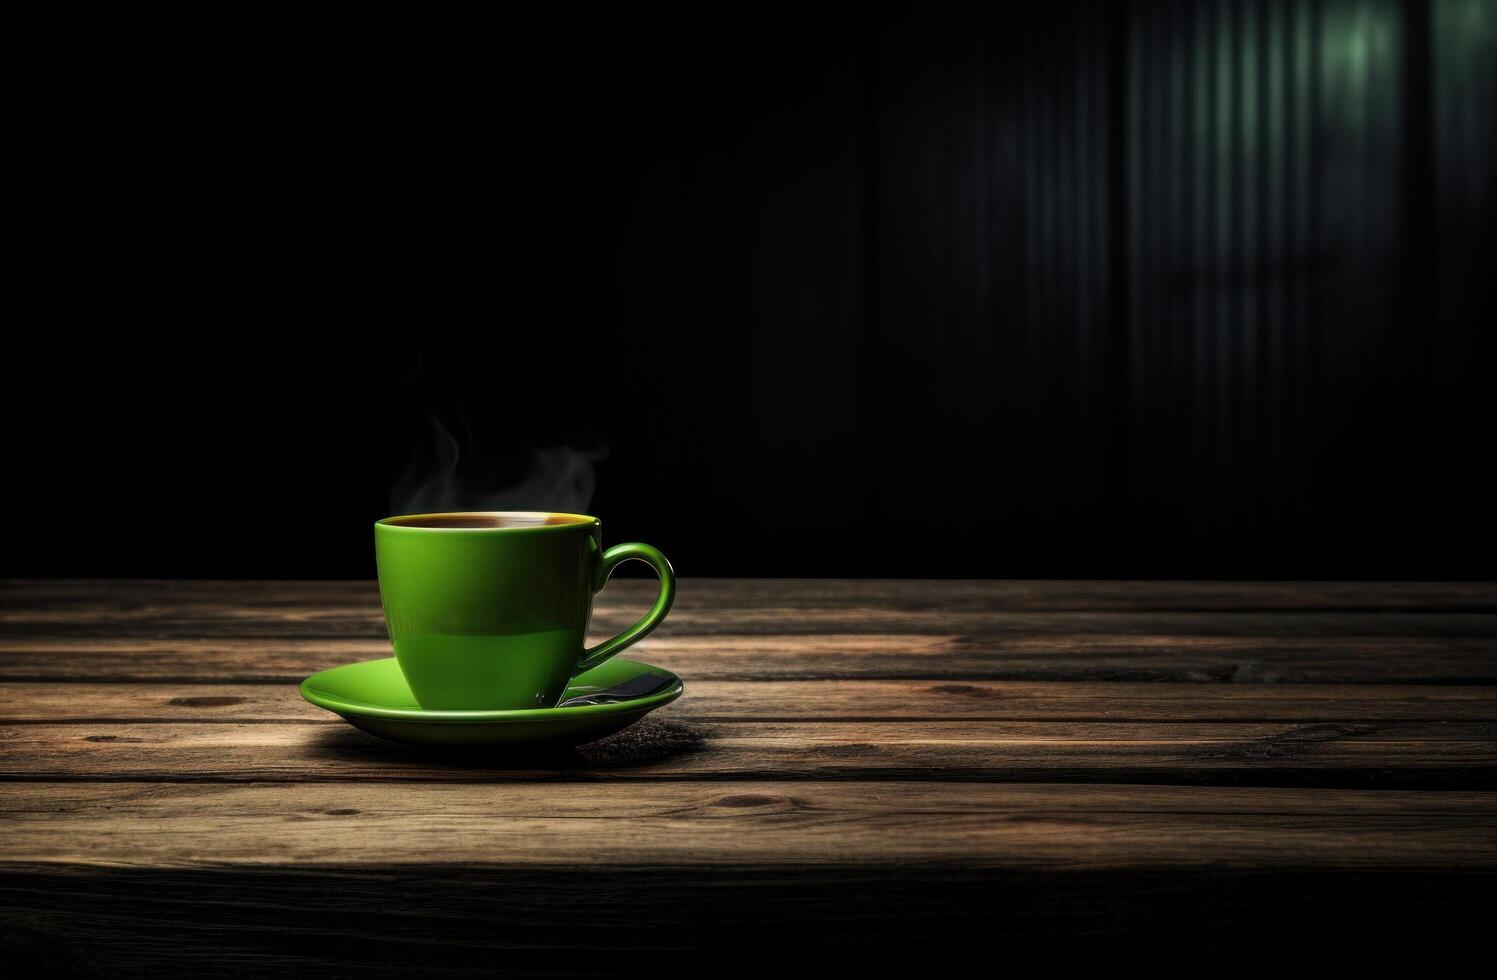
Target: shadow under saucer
pixel 647 743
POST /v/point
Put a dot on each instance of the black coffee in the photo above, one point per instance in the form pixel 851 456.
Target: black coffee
pixel 494 519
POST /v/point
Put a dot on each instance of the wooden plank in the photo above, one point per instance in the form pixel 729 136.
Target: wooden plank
pixel 1059 828
pixel 136 879
pixel 136 598
pixel 228 619
pixel 278 632
pixel 1152 657
pixel 1386 754
pixel 707 700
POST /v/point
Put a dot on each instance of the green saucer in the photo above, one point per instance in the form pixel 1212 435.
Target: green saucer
pixel 374 696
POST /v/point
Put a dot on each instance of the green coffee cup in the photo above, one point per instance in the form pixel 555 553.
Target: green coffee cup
pixel 489 611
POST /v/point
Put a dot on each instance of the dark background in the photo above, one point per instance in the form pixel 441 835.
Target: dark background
pixel 1128 289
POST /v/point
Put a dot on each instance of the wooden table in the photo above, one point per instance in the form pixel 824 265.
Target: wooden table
pixel 879 772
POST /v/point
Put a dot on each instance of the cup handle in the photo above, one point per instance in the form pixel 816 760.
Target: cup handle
pixel 611 559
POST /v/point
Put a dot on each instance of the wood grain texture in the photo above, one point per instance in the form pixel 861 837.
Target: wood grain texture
pixel 366 623
pixel 978 628
pixel 873 769
pixel 1149 657
pixel 726 630
pixel 1389 754
pixel 706 608
pixel 164 825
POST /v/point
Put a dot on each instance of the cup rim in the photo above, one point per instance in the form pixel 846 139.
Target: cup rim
pixel 584 522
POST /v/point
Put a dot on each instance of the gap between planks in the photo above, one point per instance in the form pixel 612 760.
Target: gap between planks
pixel 828 700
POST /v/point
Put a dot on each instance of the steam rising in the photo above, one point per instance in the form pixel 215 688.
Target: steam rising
pixel 558 479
